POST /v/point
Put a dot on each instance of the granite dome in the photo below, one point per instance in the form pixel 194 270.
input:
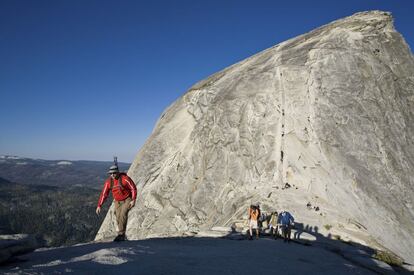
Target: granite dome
pixel 330 113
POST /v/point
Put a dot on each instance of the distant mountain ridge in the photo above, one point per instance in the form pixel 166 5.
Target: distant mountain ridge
pixel 56 172
pixel 47 193
pixel 61 215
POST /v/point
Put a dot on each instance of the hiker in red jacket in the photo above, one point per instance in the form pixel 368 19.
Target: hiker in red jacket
pixel 124 195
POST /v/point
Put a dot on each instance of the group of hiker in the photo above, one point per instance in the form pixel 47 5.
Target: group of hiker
pixel 275 221
pixel 124 192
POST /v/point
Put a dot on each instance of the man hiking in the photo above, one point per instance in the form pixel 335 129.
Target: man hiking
pixel 254 214
pixel 124 193
pixel 286 222
pixel 273 225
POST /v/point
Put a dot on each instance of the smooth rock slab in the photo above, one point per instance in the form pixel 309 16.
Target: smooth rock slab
pixel 18 244
pixel 187 256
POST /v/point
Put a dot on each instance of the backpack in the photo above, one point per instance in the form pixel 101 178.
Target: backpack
pixel 254 211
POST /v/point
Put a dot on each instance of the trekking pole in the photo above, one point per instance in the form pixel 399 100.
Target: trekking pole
pixel 115 161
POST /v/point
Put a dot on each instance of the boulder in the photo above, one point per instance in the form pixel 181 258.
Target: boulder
pixel 18 244
pixel 222 229
pixel 211 234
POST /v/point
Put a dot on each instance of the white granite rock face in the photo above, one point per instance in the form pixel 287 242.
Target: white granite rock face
pixel 329 112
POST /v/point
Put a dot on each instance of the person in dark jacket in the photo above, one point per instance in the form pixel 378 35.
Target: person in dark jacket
pixel 124 193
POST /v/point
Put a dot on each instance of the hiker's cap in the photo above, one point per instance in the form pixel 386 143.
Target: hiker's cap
pixel 113 169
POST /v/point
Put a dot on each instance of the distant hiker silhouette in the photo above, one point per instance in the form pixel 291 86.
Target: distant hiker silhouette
pixel 124 193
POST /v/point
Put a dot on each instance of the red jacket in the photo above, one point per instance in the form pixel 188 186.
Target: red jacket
pixel 128 189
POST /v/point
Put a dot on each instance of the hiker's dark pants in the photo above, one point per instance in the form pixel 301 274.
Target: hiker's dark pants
pixel 121 212
pixel 275 232
pixel 286 231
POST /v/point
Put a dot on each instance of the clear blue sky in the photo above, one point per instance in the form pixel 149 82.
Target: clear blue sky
pixel 82 79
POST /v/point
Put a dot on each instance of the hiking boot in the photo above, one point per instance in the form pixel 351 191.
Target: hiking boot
pixel 120 238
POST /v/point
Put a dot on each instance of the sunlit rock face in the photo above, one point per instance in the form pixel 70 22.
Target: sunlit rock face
pixel 330 113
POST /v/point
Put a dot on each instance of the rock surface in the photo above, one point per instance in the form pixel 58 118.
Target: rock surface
pixel 325 118
pixel 17 244
pixel 195 256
